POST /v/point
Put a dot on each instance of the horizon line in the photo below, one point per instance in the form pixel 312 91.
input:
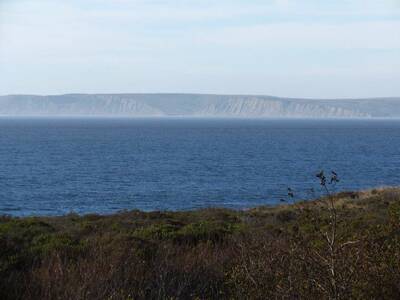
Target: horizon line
pixel 205 94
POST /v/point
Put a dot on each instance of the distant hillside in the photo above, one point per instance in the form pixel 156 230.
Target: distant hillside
pixel 196 105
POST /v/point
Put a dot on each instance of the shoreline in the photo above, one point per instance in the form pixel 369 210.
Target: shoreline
pixel 277 205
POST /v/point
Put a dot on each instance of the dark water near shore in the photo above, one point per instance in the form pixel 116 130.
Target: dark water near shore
pixel 55 166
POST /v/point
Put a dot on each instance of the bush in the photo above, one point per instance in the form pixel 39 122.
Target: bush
pixel 266 252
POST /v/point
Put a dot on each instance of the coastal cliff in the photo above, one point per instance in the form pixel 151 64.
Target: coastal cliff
pixel 197 105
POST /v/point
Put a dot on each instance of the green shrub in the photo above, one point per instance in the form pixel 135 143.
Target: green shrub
pixel 157 232
pixel 263 253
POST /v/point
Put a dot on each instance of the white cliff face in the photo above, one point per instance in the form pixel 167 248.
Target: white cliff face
pixel 96 105
pixel 256 107
pixel 243 107
pixel 195 105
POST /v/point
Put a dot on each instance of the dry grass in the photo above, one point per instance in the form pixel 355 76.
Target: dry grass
pixel 261 253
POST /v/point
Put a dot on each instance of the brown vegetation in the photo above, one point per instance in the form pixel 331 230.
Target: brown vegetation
pixel 283 252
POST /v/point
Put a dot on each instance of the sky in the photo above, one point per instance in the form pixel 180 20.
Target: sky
pixel 302 48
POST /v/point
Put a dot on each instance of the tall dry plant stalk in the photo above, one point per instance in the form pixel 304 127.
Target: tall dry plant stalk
pixel 331 237
pixel 330 234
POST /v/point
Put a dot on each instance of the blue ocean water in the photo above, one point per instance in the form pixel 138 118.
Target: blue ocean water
pixel 52 166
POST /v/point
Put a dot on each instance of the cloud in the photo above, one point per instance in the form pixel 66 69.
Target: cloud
pixel 180 45
pixel 360 35
pixel 283 3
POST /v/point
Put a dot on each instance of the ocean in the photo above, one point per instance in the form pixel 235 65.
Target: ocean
pixel 54 166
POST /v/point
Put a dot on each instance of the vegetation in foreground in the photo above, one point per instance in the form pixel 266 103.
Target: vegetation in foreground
pixel 268 252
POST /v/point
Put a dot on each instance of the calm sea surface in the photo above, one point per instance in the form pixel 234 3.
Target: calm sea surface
pixel 55 166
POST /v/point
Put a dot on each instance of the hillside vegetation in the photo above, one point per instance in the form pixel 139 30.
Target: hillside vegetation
pixel 283 252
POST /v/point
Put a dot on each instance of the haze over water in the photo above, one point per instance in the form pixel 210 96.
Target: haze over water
pixel 52 166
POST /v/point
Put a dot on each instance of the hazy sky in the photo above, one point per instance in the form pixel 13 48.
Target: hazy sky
pixel 298 48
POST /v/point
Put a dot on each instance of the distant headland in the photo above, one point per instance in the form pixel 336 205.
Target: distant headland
pixel 196 105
